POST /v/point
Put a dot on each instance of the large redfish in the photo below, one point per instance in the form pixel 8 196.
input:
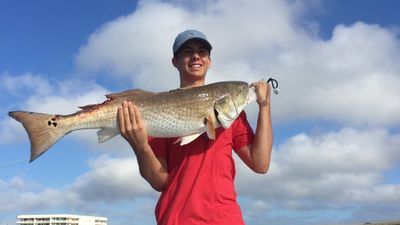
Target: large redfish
pixel 184 113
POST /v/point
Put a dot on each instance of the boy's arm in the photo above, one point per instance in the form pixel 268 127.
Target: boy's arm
pixel 257 155
pixel 131 127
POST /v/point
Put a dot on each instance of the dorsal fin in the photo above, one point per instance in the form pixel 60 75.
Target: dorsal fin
pixel 128 93
pixel 91 106
pixel 112 96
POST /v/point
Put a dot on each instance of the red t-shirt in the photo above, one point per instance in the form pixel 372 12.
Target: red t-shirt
pixel 200 188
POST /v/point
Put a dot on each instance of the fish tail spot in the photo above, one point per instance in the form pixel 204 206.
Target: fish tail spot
pixel 51 123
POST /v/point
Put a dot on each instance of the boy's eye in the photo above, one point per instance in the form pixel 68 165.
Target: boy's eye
pixel 186 51
pixel 203 52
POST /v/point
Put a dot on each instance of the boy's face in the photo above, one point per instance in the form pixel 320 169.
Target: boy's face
pixel 193 59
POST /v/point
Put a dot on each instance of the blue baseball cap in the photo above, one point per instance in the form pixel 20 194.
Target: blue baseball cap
pixel 187 35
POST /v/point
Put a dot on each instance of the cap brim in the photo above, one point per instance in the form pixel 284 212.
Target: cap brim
pixel 208 45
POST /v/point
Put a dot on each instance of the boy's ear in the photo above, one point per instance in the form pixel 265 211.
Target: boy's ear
pixel 175 62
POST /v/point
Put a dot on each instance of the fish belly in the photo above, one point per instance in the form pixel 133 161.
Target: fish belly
pixel 167 125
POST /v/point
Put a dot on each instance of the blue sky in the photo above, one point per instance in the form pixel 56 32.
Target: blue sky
pixel 336 124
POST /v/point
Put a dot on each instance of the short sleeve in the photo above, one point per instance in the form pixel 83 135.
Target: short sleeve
pixel 159 146
pixel 242 133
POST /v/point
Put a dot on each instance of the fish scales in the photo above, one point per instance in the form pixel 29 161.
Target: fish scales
pixel 177 112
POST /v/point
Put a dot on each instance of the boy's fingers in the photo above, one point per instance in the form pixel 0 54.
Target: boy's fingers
pixel 132 114
pixel 121 121
pixel 127 116
pixel 138 116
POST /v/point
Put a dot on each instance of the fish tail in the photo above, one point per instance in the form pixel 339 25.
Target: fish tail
pixel 42 130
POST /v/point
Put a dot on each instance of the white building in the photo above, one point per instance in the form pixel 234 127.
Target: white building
pixel 60 219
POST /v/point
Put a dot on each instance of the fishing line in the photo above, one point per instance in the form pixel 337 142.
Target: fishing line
pixel 13 162
pixel 12 173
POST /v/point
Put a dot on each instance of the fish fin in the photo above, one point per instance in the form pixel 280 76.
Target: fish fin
pixel 210 128
pixel 187 139
pixel 225 121
pixel 91 106
pixel 42 130
pixel 129 93
pixel 226 111
pixel 106 134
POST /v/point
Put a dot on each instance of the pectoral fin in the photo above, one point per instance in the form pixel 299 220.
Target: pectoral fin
pixel 226 111
pixel 187 139
pixel 106 134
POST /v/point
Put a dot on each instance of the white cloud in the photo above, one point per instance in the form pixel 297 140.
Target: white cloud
pixel 68 97
pixel 349 78
pixel 28 82
pixel 315 179
pixel 341 167
pixel 37 94
pixel 8 131
pixel 112 187
pixel 137 45
pixel 20 195
pixel 111 179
